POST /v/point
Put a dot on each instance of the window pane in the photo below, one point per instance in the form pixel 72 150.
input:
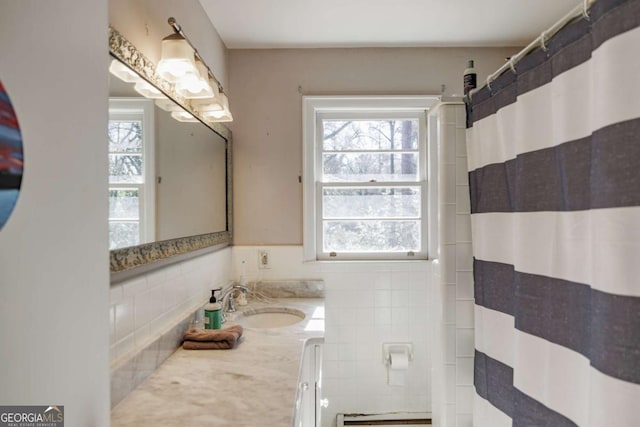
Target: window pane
pixel 380 202
pixel 125 168
pixel 355 135
pixel 371 236
pixel 368 167
pixel 125 136
pixel 124 204
pixel 123 234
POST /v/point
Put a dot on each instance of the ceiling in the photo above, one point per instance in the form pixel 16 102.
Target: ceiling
pixel 264 24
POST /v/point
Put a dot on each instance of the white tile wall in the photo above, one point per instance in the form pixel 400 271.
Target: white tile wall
pixel 464 342
pixel 464 420
pixel 366 305
pixel 453 279
pixel 145 307
pixel 436 316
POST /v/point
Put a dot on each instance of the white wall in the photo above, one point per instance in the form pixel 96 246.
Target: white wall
pixel 267 110
pixel 53 251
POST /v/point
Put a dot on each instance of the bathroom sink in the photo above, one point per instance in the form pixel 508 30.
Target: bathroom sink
pixel 270 317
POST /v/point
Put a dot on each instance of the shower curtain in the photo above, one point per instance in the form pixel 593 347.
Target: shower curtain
pixel 554 172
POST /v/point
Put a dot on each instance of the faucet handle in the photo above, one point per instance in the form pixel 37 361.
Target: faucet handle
pixel 231 306
pixel 242 298
pixel 228 303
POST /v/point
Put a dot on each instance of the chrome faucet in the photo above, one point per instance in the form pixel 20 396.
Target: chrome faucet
pixel 226 299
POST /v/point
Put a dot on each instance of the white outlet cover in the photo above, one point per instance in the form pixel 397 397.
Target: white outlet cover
pixel 264 260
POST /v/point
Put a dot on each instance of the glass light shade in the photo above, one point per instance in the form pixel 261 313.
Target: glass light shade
pixel 196 86
pixel 212 104
pixel 222 115
pixel 219 117
pixel 123 72
pixel 177 58
pixel 167 105
pixel 183 116
pixel 148 91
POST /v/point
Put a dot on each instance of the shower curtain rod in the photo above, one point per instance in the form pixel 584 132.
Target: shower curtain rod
pixel 579 10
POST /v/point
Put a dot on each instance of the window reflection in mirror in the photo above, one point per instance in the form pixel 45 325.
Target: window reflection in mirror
pixel 131 172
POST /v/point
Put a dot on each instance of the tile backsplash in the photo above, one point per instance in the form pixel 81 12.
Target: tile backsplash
pixel 145 308
pixel 131 372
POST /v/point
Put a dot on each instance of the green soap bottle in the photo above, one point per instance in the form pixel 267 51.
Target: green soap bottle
pixel 213 312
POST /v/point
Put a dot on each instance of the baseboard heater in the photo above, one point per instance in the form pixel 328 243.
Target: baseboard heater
pixel 404 419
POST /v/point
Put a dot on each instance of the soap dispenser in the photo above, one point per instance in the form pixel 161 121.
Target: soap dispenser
pixel 213 312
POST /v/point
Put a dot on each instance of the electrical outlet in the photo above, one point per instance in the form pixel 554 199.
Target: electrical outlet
pixel 264 259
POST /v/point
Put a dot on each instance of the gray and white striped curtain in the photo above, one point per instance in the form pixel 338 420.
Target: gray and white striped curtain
pixel 554 171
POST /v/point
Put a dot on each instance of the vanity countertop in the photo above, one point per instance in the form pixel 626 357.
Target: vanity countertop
pixel 252 385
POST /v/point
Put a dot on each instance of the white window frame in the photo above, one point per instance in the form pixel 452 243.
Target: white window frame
pixel 314 108
pixel 140 109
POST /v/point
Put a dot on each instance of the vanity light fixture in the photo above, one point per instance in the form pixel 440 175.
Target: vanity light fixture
pixel 123 72
pixel 167 105
pixel 194 86
pixel 181 76
pixel 183 116
pixel 219 117
pixel 208 105
pixel 216 111
pixel 221 114
pixel 177 59
pixel 148 91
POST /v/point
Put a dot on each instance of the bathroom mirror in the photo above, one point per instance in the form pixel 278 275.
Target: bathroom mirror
pixel 170 181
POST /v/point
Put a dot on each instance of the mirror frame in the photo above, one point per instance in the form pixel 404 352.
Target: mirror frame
pixel 134 260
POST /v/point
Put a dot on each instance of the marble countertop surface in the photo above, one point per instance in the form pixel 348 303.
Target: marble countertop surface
pixel 252 385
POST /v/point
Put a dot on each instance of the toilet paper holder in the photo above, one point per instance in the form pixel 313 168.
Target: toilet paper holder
pixel 388 348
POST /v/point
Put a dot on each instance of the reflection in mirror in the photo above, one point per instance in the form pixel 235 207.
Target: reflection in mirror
pixel 132 210
pixel 191 196
pixel 169 188
pixel 184 197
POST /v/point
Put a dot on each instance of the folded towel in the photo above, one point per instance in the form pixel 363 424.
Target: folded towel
pixel 212 339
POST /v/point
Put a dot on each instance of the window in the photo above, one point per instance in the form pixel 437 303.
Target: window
pixel 365 177
pixel 131 189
